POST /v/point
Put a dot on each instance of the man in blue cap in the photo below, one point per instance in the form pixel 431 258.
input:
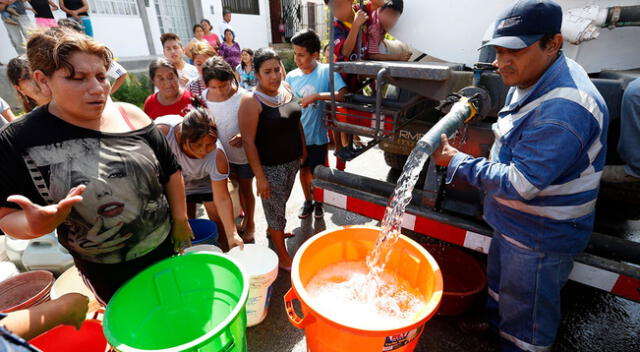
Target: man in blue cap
pixel 542 177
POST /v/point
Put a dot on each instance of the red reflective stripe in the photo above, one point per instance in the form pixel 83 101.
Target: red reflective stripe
pixel 440 231
pixel 365 208
pixel 318 194
pixel 627 287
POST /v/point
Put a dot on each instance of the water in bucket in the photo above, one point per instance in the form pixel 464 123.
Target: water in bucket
pixel 351 298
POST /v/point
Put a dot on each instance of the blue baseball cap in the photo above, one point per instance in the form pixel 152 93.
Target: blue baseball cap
pixel 525 22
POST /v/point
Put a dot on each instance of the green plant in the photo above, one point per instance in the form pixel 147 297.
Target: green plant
pixel 287 60
pixel 134 90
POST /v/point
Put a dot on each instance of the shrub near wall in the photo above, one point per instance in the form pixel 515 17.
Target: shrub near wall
pixel 134 90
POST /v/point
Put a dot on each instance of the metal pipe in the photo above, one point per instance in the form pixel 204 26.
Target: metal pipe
pixel 379 83
pixel 332 66
pixel 360 34
pixel 460 112
pixel 623 16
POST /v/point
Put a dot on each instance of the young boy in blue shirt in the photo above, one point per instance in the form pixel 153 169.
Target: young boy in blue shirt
pixel 310 84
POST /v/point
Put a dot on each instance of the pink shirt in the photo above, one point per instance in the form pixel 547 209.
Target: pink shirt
pixel 212 39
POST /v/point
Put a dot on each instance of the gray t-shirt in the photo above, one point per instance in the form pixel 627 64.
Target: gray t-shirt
pixel 197 173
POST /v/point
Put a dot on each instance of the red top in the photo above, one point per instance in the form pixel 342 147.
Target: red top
pixel 154 109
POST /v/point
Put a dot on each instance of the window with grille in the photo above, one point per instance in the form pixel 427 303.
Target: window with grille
pixel 245 7
pixel 174 17
pixel 114 7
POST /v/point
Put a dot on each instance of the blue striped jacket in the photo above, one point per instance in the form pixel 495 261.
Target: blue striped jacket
pixel 542 177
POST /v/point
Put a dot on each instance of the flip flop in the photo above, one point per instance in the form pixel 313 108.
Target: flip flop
pixel 251 238
pixel 286 235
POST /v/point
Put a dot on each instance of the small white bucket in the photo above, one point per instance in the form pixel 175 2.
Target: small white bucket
pixel 261 263
pixel 203 248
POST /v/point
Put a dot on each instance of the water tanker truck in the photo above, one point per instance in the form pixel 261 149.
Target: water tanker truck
pixel 414 99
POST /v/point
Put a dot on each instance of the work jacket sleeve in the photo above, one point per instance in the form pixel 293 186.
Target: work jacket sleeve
pixel 542 154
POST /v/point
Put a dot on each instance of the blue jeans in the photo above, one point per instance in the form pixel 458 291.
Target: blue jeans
pixel 524 294
pixel 629 143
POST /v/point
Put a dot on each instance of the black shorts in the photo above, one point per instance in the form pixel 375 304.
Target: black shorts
pixel 200 198
pixel 316 155
pixel 242 171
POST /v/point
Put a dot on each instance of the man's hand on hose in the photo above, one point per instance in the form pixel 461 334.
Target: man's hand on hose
pixel 445 152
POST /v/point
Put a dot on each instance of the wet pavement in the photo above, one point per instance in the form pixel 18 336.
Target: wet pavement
pixel 593 320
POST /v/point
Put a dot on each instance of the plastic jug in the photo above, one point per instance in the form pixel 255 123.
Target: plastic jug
pixel 45 253
pixel 14 249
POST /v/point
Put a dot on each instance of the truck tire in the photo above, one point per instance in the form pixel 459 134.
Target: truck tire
pixel 395 161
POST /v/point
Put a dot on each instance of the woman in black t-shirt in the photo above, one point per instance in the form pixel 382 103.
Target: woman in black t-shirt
pixel 97 171
pixel 274 142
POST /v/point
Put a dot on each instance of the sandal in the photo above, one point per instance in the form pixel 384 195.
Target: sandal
pixel 248 237
pixel 286 235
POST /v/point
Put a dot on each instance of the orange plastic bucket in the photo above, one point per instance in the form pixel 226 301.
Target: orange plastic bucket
pixel 408 260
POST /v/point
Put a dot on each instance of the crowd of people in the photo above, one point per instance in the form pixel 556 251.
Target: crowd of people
pixel 119 183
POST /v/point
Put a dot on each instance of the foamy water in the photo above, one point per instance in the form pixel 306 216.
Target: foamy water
pixel 347 293
pixel 363 294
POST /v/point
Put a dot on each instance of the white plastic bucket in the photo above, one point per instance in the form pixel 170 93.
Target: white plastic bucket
pixel 204 248
pixel 261 263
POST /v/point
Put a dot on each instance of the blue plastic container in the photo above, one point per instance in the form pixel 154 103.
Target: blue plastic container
pixel 205 231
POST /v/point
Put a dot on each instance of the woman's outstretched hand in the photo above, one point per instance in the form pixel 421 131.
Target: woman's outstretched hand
pixel 44 219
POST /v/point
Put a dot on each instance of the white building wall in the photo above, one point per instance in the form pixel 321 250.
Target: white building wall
pixel 252 31
pixel 124 35
pixel 155 28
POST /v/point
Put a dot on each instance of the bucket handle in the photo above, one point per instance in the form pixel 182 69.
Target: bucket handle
pixel 294 319
pixel 231 341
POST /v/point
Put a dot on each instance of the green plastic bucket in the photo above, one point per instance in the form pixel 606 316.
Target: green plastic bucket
pixel 194 302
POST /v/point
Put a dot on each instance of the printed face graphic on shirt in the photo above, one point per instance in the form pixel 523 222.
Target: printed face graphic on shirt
pixel 123 214
pixel 110 193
